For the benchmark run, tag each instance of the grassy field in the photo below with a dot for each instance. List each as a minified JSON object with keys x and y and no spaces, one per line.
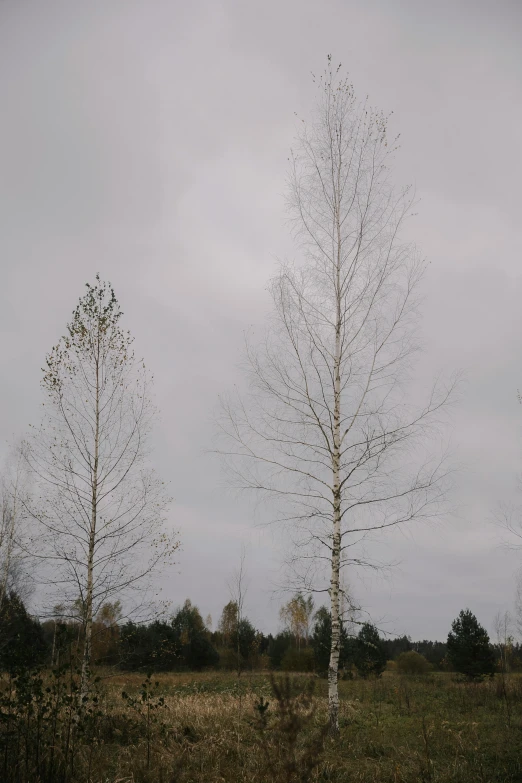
{"x":200,"y":727}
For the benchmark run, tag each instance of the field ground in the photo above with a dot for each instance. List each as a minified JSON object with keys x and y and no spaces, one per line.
{"x":202,"y":728}
{"x":397,"y":729}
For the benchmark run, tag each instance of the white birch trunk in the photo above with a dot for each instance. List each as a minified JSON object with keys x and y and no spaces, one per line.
{"x":333,"y":669}
{"x":87,"y":643}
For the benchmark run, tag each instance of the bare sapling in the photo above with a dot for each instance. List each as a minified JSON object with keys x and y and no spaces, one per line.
{"x":100,"y":506}
{"x":14,"y":556}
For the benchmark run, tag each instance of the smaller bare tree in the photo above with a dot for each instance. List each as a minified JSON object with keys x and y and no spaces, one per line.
{"x":57,"y":615}
{"x":100,"y":507}
{"x":238,"y":588}
{"x":508,"y":518}
{"x":504,"y":644}
{"x":14,"y":492}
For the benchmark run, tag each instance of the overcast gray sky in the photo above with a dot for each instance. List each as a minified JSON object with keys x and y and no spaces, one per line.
{"x":148,"y":141}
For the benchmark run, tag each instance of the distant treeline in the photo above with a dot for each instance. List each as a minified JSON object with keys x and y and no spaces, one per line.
{"x":186,"y":642}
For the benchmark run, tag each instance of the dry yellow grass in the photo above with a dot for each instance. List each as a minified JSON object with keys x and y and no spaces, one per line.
{"x":199,"y":728}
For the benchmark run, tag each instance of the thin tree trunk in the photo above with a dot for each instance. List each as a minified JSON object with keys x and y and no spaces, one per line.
{"x":87,"y":644}
{"x":54,"y":645}
{"x":333,"y":668}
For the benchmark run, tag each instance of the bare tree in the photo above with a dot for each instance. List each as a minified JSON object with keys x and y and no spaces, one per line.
{"x":100,"y":506}
{"x":508,"y":517}
{"x":232,"y":621}
{"x":57,"y":614}
{"x":517,"y":620}
{"x":326,"y":427}
{"x":14,"y":492}
{"x":503,"y":625}
{"x":238,"y":589}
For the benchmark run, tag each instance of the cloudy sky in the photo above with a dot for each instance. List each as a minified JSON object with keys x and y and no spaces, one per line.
{"x":148,"y":141}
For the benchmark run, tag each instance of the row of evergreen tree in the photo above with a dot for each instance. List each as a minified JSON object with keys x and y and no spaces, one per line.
{"x":185,"y":642}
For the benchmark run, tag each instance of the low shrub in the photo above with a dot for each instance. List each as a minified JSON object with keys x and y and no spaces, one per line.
{"x":412,"y":663}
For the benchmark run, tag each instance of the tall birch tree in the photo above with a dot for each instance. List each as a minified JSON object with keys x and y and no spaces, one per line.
{"x":326,"y":428}
{"x":100,"y":506}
